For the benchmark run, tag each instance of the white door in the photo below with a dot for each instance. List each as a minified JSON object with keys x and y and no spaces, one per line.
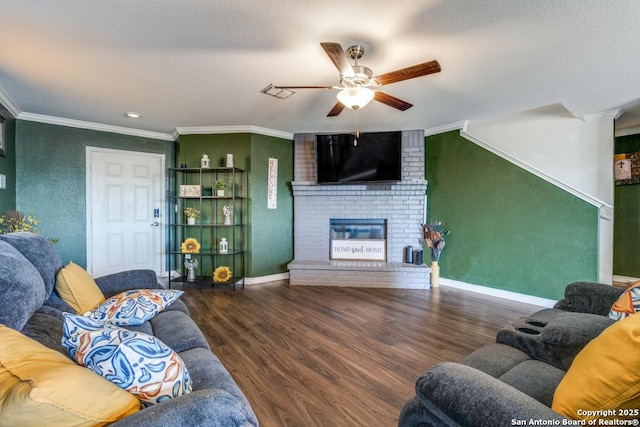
{"x":124,"y":209}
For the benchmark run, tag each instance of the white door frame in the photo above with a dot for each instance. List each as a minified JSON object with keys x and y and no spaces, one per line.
{"x":89,"y":208}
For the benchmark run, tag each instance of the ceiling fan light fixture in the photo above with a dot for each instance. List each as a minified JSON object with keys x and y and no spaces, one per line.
{"x":355,"y":98}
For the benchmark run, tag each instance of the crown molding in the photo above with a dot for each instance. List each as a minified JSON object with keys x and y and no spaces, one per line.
{"x":8,"y":103}
{"x":446,"y":128}
{"x":611,"y":114}
{"x":627,"y":131}
{"x":94,"y":126}
{"x":200,"y":130}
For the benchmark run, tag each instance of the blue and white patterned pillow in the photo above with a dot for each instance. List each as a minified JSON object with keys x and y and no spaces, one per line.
{"x":139,"y":363}
{"x":133,"y":307}
{"x":627,"y":304}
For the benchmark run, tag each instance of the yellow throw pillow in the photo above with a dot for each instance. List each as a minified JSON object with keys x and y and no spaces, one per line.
{"x":77,"y":288}
{"x":604,"y":376}
{"x":41,"y":387}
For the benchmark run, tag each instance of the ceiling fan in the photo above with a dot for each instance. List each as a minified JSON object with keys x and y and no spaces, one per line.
{"x":357,"y":82}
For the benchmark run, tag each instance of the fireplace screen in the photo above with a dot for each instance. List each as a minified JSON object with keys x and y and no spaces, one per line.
{"x":358,"y":239}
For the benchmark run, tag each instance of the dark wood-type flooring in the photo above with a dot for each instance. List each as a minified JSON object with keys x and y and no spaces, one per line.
{"x":330,"y":356}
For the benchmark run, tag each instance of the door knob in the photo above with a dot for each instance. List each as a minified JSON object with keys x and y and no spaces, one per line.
{"x":155,"y":224}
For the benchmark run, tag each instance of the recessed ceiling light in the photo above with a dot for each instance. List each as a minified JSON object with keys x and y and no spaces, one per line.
{"x":132,"y":115}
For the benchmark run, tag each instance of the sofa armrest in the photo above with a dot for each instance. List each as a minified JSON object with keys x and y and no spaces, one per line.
{"x":467,"y":396}
{"x":203,"y":408}
{"x":589,"y":297}
{"x":115,"y":283}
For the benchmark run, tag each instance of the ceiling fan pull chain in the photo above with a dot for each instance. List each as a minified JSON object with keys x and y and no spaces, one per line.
{"x":355,"y":140}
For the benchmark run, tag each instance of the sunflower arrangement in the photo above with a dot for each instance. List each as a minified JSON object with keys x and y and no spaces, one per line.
{"x":222,"y":274}
{"x":190,"y":246}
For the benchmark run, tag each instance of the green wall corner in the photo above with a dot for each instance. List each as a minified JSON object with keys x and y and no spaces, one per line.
{"x":269,"y":231}
{"x":510,"y":230}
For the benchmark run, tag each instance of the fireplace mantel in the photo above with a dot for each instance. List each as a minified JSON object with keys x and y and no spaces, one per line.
{"x":415,"y":188}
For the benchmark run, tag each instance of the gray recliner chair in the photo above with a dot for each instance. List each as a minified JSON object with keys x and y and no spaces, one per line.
{"x":515,"y":378}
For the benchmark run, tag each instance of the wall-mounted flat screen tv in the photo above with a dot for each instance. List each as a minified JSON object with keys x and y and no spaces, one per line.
{"x":377,"y":157}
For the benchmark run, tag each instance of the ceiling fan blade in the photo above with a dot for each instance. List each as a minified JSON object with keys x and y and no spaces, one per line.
{"x":337,"y":109}
{"x":409,"y":73}
{"x":392,"y":101}
{"x":338,"y":57}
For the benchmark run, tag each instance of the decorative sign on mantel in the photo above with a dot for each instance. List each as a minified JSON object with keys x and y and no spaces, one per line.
{"x":359,"y":249}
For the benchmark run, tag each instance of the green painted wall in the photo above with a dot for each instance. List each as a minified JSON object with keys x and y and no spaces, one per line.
{"x":269,"y":231}
{"x":626,"y":221}
{"x":272,"y":232}
{"x":510,"y":229}
{"x":8,"y":163}
{"x":51,"y":177}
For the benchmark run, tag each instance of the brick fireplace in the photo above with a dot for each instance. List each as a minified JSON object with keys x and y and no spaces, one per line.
{"x":400,"y":204}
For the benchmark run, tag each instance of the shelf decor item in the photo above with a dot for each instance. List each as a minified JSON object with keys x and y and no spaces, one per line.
{"x":224,"y":246}
{"x":229,"y":160}
{"x":190,"y":246}
{"x":192,"y":214}
{"x":219,"y":185}
{"x":205,"y":162}
{"x":190,"y":190}
{"x":227,"y":210}
{"x":434,"y":233}
{"x":221,"y":274}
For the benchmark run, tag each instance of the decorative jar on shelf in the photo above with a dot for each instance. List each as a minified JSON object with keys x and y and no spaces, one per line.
{"x":205,"y":162}
{"x":224,"y":245}
{"x":191,"y":220}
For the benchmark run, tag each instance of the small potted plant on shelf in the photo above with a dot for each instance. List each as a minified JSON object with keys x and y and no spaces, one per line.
{"x":191,"y":214}
{"x":219,"y":186}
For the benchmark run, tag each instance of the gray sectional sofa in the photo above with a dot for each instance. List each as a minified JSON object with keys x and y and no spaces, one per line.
{"x":515,"y":378}
{"x":30,"y":305}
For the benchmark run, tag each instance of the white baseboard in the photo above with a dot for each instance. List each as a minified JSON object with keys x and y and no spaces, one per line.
{"x":514,"y":296}
{"x":265,"y":279}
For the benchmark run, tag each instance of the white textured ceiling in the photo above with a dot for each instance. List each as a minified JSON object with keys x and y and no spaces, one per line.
{"x":203,"y":62}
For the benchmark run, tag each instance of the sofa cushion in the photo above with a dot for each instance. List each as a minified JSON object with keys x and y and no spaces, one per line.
{"x":41,"y":387}
{"x":46,"y":328}
{"x":495,"y":359}
{"x":165,"y":325}
{"x":627,"y":304}
{"x":138,"y":363}
{"x":209,"y":373}
{"x":535,"y":379}
{"x":133,"y":307}
{"x":40,"y":252}
{"x":77,"y":288}
{"x":22,"y":289}
{"x":605,"y":375}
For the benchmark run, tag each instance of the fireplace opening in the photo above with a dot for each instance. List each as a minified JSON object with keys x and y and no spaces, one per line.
{"x":358,"y":239}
